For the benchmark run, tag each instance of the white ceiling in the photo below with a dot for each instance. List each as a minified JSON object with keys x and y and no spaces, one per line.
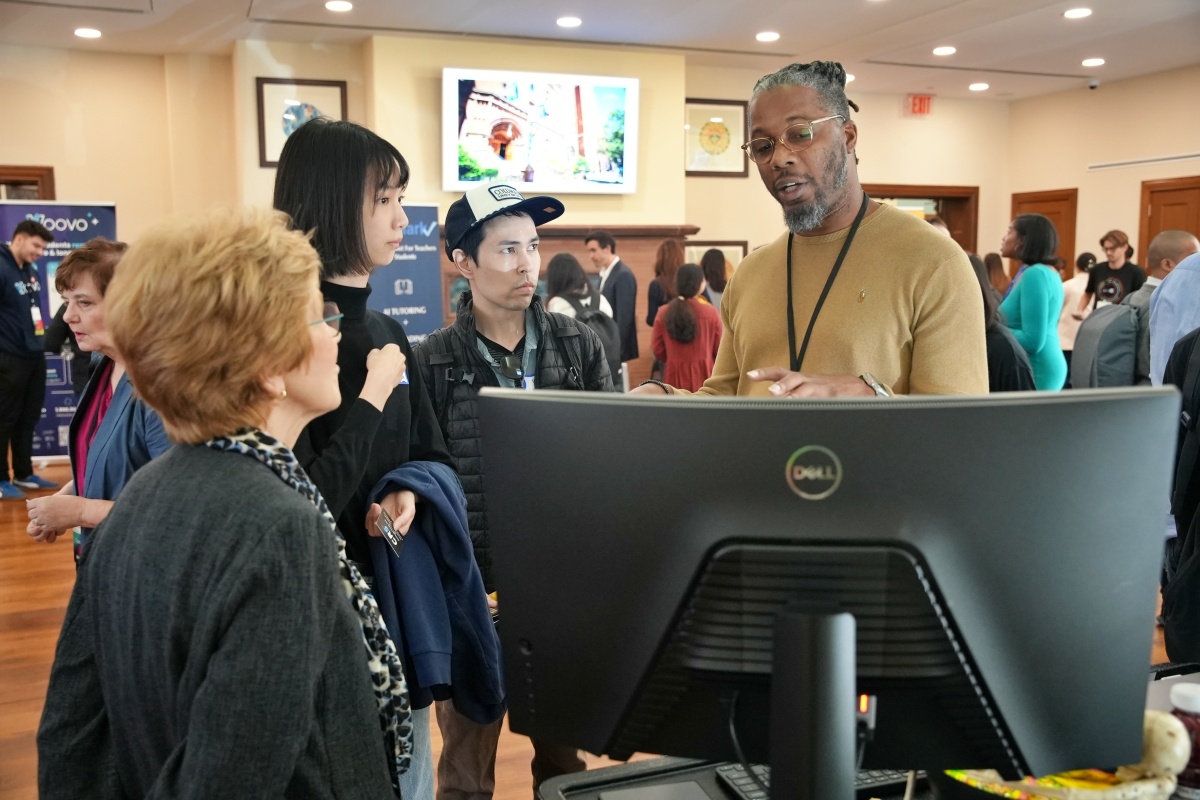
{"x":1021,"y":48}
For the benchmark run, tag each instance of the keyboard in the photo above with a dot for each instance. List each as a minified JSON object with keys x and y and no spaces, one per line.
{"x":869,"y":782}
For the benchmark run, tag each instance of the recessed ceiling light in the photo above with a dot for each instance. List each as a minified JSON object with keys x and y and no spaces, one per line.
{"x":716,"y":119}
{"x":978,"y":87}
{"x":849,"y":77}
{"x":945,"y":50}
{"x":340,"y":6}
{"x":1093,"y":62}
{"x":767,"y":36}
{"x":1077,"y":13}
{"x":569,"y":22}
{"x":87,"y":33}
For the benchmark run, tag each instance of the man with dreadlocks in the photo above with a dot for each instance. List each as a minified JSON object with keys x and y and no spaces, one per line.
{"x":877,"y":301}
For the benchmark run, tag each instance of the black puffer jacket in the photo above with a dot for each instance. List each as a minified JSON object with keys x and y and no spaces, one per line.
{"x":570,"y":356}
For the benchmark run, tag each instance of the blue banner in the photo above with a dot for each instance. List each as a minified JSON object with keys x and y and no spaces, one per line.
{"x":72,"y":225}
{"x":410,"y":288}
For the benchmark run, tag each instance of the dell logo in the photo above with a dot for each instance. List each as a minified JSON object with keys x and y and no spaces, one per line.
{"x":814,"y":472}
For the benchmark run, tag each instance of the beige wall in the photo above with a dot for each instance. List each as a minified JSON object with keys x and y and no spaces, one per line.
{"x":1055,"y":137}
{"x":963,"y":143}
{"x":153,"y":134}
{"x":261,"y":59}
{"x":98,"y":119}
{"x":406,"y":97}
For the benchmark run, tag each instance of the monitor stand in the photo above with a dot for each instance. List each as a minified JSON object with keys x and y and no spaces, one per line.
{"x":813,"y":692}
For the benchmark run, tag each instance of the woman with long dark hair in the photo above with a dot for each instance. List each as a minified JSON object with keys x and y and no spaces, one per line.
{"x":1009,"y":369}
{"x":713,"y":264}
{"x":1035,"y":298}
{"x":687,"y":333}
{"x":566,"y":280}
{"x":667,"y":262}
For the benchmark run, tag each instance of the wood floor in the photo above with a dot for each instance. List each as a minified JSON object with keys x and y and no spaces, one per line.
{"x":35,"y":583}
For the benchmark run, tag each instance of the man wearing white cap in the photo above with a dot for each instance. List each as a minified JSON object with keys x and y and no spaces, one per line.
{"x":502,"y":337}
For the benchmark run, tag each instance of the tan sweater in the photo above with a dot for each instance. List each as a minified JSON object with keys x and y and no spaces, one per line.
{"x":905,"y":306}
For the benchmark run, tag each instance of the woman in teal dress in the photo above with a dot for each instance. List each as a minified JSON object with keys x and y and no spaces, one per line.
{"x":1035,"y":298}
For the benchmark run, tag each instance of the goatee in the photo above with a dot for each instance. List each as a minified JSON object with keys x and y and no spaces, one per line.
{"x":811,"y":215}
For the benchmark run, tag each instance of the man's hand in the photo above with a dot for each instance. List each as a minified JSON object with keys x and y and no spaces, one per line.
{"x":385,"y":369}
{"x":799,"y":384}
{"x":401,"y":507}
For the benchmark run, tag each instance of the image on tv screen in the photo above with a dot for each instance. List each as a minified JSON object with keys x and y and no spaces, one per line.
{"x":551,"y":133}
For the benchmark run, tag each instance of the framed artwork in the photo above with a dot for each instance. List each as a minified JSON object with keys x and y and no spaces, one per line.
{"x":734,"y":252}
{"x":284,"y":104}
{"x":714,"y":132}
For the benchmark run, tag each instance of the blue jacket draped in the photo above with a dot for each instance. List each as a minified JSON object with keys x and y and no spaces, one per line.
{"x":433,"y":601}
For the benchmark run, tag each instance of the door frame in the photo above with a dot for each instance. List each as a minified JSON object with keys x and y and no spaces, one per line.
{"x":912,"y":191}
{"x":1148,"y":188}
{"x":42,"y":176}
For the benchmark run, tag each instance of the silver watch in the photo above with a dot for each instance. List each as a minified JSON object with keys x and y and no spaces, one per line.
{"x":878,"y":388}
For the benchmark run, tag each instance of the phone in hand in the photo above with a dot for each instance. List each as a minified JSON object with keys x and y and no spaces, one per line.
{"x":387,"y":530}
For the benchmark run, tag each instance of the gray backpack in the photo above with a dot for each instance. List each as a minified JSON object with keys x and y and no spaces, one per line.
{"x":1106,"y":348}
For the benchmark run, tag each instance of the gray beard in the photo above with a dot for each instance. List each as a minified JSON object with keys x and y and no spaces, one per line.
{"x":811,"y":216}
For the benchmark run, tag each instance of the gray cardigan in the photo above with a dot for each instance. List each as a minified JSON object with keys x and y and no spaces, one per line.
{"x":208,"y":648}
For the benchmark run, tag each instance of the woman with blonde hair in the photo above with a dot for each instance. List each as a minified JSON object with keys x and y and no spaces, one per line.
{"x":218,"y":641}
{"x":113,"y":433}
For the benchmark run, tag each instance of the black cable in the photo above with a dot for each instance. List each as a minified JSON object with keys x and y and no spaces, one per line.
{"x":737,"y":746}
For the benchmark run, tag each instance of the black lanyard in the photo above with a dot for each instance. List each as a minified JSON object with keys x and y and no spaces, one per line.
{"x":798,"y":357}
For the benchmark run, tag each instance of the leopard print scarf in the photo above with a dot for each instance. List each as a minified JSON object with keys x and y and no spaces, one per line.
{"x":387,"y":672}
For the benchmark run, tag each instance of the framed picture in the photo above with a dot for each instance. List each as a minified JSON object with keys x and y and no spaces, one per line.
{"x":714,"y":132}
{"x":285,"y":104}
{"x":734,"y":252}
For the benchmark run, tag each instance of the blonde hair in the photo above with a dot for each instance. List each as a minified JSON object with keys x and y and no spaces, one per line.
{"x":204,"y":309}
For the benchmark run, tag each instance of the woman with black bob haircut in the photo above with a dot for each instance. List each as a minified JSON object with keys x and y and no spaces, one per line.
{"x":566,"y":280}
{"x":687,"y":333}
{"x":343,"y":184}
{"x":1035,"y":298}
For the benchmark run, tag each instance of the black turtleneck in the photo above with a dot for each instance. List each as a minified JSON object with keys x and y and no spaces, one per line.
{"x":347,"y":451}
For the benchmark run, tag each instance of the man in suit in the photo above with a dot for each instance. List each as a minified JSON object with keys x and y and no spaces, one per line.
{"x":619,"y":285}
{"x":1166,"y":250}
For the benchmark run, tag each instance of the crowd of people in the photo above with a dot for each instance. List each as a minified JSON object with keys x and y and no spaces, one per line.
{"x":284,"y":559}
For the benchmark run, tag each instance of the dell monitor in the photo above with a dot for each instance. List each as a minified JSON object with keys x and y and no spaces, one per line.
{"x":671,"y":573}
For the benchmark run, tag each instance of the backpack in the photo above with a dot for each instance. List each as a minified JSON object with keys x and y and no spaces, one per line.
{"x":604,"y":326}
{"x":1180,"y":611}
{"x":1106,"y":348}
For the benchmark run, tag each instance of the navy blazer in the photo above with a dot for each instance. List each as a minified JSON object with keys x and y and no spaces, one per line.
{"x":129,"y":436}
{"x":621,"y":292}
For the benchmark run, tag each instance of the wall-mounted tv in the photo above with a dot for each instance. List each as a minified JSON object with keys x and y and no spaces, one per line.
{"x":551,"y":133}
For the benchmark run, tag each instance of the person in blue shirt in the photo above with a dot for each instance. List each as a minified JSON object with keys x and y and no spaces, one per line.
{"x":1174,"y":312}
{"x":1035,"y":298}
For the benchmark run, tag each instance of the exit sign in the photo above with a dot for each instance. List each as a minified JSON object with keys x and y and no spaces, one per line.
{"x":919,"y":105}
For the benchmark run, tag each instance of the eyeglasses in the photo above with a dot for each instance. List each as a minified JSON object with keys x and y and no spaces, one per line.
{"x":794,"y":137}
{"x":332,"y":316}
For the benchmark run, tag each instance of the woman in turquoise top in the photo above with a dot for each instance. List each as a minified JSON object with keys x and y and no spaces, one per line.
{"x":1035,"y":298}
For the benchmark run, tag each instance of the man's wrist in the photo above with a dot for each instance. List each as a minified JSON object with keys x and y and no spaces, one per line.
{"x":666,"y":389}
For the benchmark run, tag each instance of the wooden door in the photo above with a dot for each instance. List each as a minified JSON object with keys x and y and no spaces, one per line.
{"x":958,"y":206}
{"x":1059,"y":206}
{"x":34,"y":183}
{"x":1168,"y":205}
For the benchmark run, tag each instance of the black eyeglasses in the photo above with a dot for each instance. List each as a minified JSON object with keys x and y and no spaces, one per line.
{"x":512,"y":368}
{"x":332,"y":316}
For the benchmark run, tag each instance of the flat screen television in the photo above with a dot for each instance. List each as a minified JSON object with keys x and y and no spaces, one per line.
{"x":544,"y":132}
{"x":998,"y":555}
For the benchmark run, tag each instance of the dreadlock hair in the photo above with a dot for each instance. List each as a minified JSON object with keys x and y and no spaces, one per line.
{"x":680,"y":320}
{"x":826,"y":78}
